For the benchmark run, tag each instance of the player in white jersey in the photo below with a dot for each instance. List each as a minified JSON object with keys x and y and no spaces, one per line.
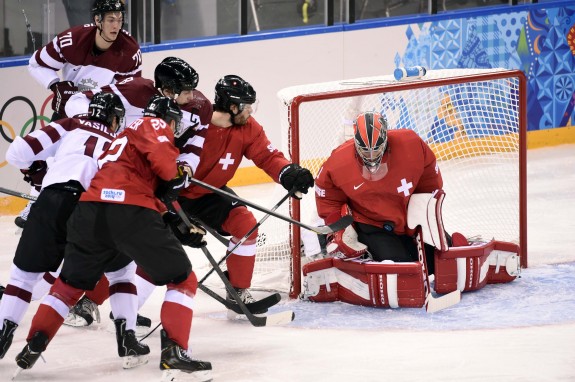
{"x":85,"y":57}
{"x":71,"y":147}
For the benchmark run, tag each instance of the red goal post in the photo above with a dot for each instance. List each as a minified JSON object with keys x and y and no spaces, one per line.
{"x":473,"y":119}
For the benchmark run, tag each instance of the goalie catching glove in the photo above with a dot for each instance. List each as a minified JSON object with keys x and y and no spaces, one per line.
{"x":192,"y":237}
{"x":344,"y":241}
{"x":293,"y":176}
{"x":168,"y":191}
{"x":35,"y":174}
{"x":62,"y":90}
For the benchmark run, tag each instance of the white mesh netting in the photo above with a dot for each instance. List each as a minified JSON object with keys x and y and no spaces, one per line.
{"x":470,"y":118}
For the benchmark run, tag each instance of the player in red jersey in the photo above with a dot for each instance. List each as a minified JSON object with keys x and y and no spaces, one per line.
{"x":389,"y":181}
{"x":87,"y":57}
{"x":71,"y":147}
{"x":233,"y":134}
{"x":118,"y":220}
{"x":173,"y":77}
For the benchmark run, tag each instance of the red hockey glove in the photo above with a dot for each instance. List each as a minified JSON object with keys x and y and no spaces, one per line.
{"x":345,"y":241}
{"x":62,"y":90}
{"x":294,"y":176}
{"x":35,"y":174}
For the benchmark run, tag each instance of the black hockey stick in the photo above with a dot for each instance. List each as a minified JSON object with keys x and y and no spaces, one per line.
{"x":321,"y":230}
{"x":274,"y":319}
{"x":243,"y":239}
{"x":18,"y":194}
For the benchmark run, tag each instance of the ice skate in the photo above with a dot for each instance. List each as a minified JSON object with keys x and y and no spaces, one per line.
{"x":143,"y":325}
{"x":6,"y":336}
{"x":20,"y":220}
{"x":178,"y":366}
{"x":83,"y":313}
{"x":133,"y":352}
{"x":31,"y":352}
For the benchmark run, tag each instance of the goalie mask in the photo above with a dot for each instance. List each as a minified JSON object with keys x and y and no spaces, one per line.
{"x":104,"y":107}
{"x":167,"y":109}
{"x":370,"y":139}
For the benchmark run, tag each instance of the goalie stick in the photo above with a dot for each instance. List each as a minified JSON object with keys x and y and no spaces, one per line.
{"x":280,"y":318}
{"x":321,"y":230}
{"x":433,"y":304}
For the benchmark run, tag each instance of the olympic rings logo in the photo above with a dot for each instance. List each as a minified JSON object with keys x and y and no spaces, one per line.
{"x":6,"y":129}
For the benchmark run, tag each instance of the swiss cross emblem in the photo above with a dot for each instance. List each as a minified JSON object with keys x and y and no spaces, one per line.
{"x":227,"y":161}
{"x":405,"y":187}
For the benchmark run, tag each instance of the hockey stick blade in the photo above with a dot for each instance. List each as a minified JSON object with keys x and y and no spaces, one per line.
{"x":435,"y":304}
{"x":257,"y":306}
{"x":322,"y":230}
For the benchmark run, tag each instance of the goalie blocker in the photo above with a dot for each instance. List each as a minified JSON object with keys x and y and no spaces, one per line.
{"x":464,"y":267}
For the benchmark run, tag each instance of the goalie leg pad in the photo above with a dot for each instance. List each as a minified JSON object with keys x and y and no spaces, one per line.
{"x":470,"y":268}
{"x":385,"y":284}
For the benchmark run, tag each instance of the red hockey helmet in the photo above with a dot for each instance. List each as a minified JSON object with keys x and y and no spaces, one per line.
{"x":370,"y":137}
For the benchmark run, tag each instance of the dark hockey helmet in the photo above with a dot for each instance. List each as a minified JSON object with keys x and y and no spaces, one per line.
{"x":232,"y":89}
{"x":167,"y":109}
{"x":101,"y":7}
{"x":104,"y":107}
{"x":176,"y":75}
{"x":370,"y":137}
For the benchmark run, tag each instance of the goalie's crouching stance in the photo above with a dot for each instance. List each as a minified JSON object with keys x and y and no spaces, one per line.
{"x":397,"y":240}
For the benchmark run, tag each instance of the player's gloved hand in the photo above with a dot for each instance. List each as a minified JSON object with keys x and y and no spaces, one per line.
{"x":62,"y":90}
{"x":346,"y":240}
{"x":293,"y":176}
{"x":35,"y":174}
{"x":168,"y":191}
{"x":192,"y":237}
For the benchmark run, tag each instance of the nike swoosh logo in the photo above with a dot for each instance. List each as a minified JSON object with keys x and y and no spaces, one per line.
{"x":234,"y":203}
{"x":356,"y":187}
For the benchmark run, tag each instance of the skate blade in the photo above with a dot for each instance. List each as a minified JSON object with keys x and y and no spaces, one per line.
{"x":175,"y":375}
{"x":75,"y":321}
{"x":133,"y":361}
{"x":16,"y":373}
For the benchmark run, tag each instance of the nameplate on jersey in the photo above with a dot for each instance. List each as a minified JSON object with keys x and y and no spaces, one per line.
{"x":113,"y":195}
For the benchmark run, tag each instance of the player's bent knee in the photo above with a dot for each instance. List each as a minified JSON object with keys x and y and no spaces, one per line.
{"x":187,"y":286}
{"x":469,"y":268}
{"x":385,"y":284}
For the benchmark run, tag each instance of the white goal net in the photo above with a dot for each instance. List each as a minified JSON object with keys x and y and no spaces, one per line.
{"x":474,"y":121}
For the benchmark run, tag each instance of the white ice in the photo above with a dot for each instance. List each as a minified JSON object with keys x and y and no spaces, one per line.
{"x":522,"y":331}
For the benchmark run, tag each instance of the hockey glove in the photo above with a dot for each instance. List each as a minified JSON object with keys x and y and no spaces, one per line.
{"x":35,"y":174}
{"x":345,"y":241}
{"x":193,"y":237}
{"x":62,"y":90}
{"x":168,"y":191}
{"x":293,"y":176}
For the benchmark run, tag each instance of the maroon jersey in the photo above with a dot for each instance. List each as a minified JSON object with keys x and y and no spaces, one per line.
{"x":224,"y":148}
{"x":133,"y":165}
{"x":72,"y":52}
{"x":411,"y":168}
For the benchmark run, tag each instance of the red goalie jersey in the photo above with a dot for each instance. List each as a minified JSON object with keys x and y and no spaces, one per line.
{"x":411,"y":168}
